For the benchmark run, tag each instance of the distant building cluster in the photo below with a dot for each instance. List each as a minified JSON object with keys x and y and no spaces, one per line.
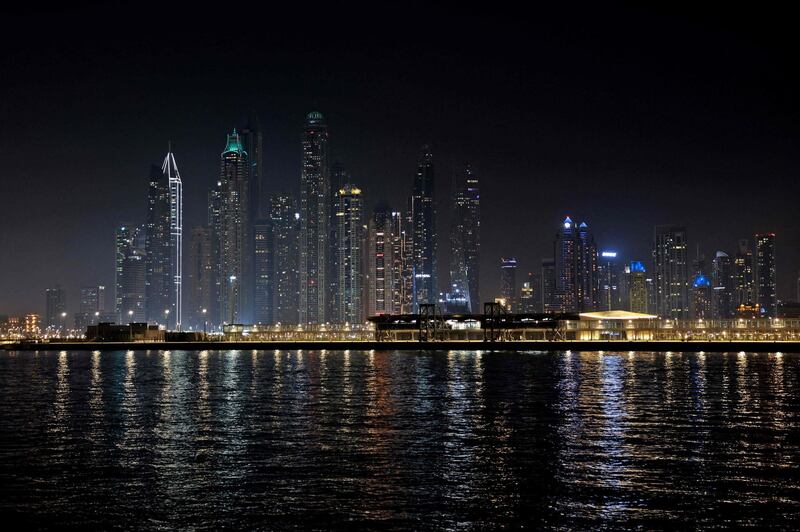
{"x":324,"y":258}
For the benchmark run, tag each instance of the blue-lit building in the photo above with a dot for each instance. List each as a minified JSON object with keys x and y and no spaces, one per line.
{"x":701,"y":297}
{"x":637,"y":287}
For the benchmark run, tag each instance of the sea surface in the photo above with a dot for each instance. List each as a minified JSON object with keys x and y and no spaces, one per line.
{"x":355,"y":440}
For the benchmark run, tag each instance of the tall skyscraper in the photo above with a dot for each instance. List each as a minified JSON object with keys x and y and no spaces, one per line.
{"x":508,"y":282}
{"x":765,"y":274}
{"x":608,"y":286}
{"x":575,"y":268}
{"x":131,"y":274}
{"x":586,"y":269}
{"x":285,"y":222}
{"x":92,"y":308}
{"x":199,"y":279}
{"x":528,"y":295}
{"x":349,"y":237}
{"x":164,"y":244}
{"x":215,"y":235}
{"x":744,"y":275}
{"x":314,"y":220}
{"x":671,"y":275}
{"x":262,"y":234}
{"x":550,"y":302}
{"x":638,"y":288}
{"x":465,"y":239}
{"x":236,"y":283}
{"x":723,"y":303}
{"x":424,"y":239}
{"x":55,"y":307}
{"x":380,"y":260}
{"x":402,"y":268}
{"x":252,"y":140}
{"x":701,"y":291}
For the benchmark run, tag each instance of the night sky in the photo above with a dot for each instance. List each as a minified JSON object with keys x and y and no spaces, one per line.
{"x":623,"y":117}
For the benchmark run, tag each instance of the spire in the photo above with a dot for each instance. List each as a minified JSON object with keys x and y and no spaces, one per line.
{"x":234,"y":144}
{"x":169,"y":168}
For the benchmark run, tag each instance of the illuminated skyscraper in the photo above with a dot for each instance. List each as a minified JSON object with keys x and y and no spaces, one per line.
{"x":262,"y":300}
{"x":131,"y":274}
{"x":465,"y":239}
{"x":608,"y":285}
{"x":92,"y":308}
{"x":566,"y":262}
{"x":638,"y":287}
{"x":55,"y":306}
{"x":528,"y":295}
{"x":284,"y":274}
{"x":349,"y":238}
{"x":236,"y":245}
{"x":550,"y":301}
{"x":314,"y":220}
{"x":380,"y":260}
{"x":701,"y":297}
{"x":744,"y":275}
{"x":402,"y":268}
{"x":765,"y":273}
{"x":424,"y":239}
{"x":215,"y":235}
{"x":586,"y":270}
{"x":724,"y":306}
{"x":199,"y":279}
{"x":164,"y":245}
{"x":671,"y":275}
{"x":508,"y":282}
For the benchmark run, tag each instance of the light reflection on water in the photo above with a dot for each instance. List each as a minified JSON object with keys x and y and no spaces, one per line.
{"x":400,"y":440}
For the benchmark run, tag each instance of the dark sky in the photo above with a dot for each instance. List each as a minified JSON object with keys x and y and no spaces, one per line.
{"x":622,"y":116}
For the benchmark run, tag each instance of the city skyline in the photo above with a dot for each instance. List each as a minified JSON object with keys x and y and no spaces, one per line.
{"x":669,"y":142}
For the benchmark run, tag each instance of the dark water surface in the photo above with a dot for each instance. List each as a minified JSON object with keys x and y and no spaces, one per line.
{"x":262,"y":439}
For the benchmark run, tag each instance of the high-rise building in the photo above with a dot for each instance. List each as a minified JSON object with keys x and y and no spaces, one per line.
{"x":638,"y":287}
{"x":586,"y":270}
{"x":55,"y":307}
{"x":723,"y":302}
{"x":465,"y":239}
{"x":92,"y":308}
{"x":528,"y":295}
{"x":423,"y":228}
{"x":164,"y":244}
{"x":765,"y":274}
{"x":402,"y":283}
{"x":508,"y":282}
{"x":701,"y":295}
{"x":262,"y":235}
{"x":252,"y":140}
{"x":285,"y":225}
{"x":349,"y":237}
{"x":215,"y":235}
{"x":550,"y":302}
{"x":199,"y":279}
{"x":236,"y":283}
{"x":744,"y":275}
{"x":314,"y":220}
{"x":380,"y":261}
{"x":608,"y":285}
{"x":566,"y":261}
{"x":131,"y":274}
{"x":671,"y":275}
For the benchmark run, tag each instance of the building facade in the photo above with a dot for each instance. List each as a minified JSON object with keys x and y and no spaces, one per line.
{"x":766,"y":295}
{"x":423,"y":228}
{"x":671,"y":276}
{"x":350,"y":260}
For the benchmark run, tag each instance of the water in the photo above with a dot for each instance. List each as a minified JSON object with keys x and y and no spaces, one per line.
{"x":456,"y":440}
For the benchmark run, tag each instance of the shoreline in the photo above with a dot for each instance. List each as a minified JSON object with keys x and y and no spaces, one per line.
{"x":530,"y":345}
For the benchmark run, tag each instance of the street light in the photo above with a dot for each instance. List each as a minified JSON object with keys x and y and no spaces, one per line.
{"x":63,"y":323}
{"x":130,"y":326}
{"x":232,"y":298}
{"x":166,"y":319}
{"x":205,"y":323}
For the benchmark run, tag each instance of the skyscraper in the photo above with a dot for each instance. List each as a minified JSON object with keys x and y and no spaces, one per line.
{"x":199,"y":279}
{"x":215,"y":235}
{"x":262,"y":234}
{"x":164,"y":244}
{"x":744,"y":275}
{"x":671,"y":275}
{"x":723,"y":306}
{"x":638,"y":288}
{"x":608,"y":285}
{"x":424,"y":240}
{"x":131,"y":274}
{"x":528,"y":295}
{"x":92,"y":308}
{"x":508,"y":282}
{"x":349,"y":238}
{"x":380,"y":260}
{"x":236,"y":286}
{"x":586,"y":269}
{"x":314,"y":220}
{"x":550,"y":301}
{"x":252,"y":141}
{"x":402,"y":268}
{"x":284,"y":222}
{"x":465,"y":239}
{"x":55,"y":306}
{"x":765,"y":274}
{"x":701,"y":297}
